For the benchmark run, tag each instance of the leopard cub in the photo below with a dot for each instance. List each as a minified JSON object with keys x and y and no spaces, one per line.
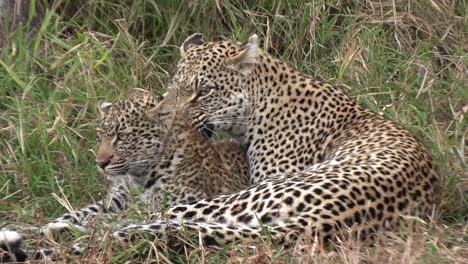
{"x":161,"y":153}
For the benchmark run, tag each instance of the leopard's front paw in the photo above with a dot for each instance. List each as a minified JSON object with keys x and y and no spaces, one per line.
{"x":133,"y":233}
{"x":122,"y":236}
{"x":58,"y":227}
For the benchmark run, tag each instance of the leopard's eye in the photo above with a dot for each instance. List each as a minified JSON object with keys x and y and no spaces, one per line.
{"x":122,"y":136}
{"x":206,"y":90}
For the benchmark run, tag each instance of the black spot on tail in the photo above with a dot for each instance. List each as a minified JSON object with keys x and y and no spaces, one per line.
{"x":12,"y":254}
{"x":209,"y":241}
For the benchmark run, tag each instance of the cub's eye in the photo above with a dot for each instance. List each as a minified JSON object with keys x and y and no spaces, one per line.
{"x":98,"y":135}
{"x":122,"y":136}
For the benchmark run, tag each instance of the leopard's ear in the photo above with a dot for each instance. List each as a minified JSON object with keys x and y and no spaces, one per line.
{"x":248,"y":56}
{"x":192,"y":41}
{"x":164,"y":110}
{"x":104,"y":108}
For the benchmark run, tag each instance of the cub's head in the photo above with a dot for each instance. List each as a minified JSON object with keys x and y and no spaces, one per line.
{"x":217,"y":73}
{"x":129,"y":137}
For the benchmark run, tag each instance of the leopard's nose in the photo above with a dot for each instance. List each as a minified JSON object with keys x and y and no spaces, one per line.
{"x":103,"y":163}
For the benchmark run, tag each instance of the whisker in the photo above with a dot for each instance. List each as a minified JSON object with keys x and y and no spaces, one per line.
{"x":206,"y":136}
{"x":222,"y":122}
{"x":150,"y":160}
{"x":231,"y":116}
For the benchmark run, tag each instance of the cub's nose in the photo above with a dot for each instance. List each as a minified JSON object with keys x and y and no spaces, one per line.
{"x":102,"y":163}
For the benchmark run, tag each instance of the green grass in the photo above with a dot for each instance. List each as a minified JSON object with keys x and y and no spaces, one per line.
{"x":406,"y":61}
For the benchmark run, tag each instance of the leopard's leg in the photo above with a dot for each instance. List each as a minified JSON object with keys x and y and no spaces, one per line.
{"x":242,"y":215}
{"x":326,"y":206}
{"x":149,"y":197}
{"x":212,"y":233}
{"x":115,"y":201}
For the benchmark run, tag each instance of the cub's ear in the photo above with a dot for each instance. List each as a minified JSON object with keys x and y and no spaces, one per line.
{"x":246,"y":59}
{"x":192,"y":41}
{"x":104,"y":108}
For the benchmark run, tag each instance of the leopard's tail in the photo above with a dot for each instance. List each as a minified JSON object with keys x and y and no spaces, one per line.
{"x":11,"y":250}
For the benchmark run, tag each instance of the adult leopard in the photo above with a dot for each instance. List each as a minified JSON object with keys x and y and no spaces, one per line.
{"x":164,"y":155}
{"x":320,"y":162}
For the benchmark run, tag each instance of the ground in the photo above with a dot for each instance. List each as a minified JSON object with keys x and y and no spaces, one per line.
{"x":404,"y":59}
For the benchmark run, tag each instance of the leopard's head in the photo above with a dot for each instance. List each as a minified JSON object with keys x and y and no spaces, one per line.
{"x":129,"y":138}
{"x":216,"y":73}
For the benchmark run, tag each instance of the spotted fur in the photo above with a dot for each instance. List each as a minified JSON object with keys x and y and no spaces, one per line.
{"x":320,"y":162}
